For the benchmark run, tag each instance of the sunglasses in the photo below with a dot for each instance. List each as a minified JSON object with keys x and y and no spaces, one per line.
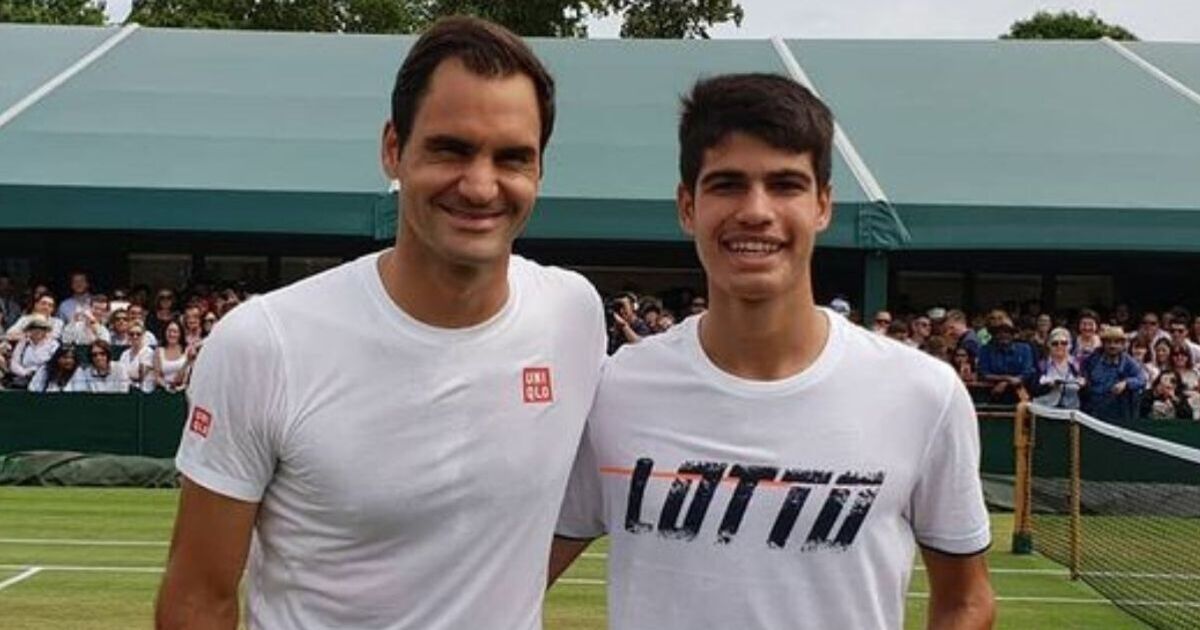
{"x":1058,"y":343}
{"x":883,"y":321}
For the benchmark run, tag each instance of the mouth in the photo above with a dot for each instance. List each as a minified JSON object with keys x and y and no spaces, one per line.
{"x":474,"y":220}
{"x":751,"y":247}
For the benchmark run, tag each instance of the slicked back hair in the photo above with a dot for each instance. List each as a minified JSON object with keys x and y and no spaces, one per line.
{"x":486,"y":49}
{"x":769,"y":107}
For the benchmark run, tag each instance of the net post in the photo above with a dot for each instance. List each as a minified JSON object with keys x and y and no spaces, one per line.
{"x":1022,"y":538}
{"x":1076,"y":490}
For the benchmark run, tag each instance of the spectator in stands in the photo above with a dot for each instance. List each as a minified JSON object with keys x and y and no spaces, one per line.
{"x":938,"y":348}
{"x":138,"y":360}
{"x":1088,"y":339}
{"x":1162,"y":354}
{"x":103,"y":376}
{"x":1059,"y":380}
{"x":937,"y":321}
{"x":193,"y":326}
{"x":841,"y":306}
{"x":1187,"y":380}
{"x":665,"y":321}
{"x":32,"y":352}
{"x":1195,"y":333}
{"x":118,"y":328}
{"x":651,"y":311}
{"x":10,"y":307}
{"x":1043,"y":323}
{"x":1179,"y":329}
{"x":882,"y":320}
{"x":1165,"y":401}
{"x":43,"y":306}
{"x":1122,"y":318}
{"x":1004,"y":363}
{"x":898,"y":330}
{"x":172,"y":361}
{"x":699,"y":305}
{"x":1150,"y":329}
{"x":963,"y":364}
{"x":137,"y":315}
{"x":58,"y":373}
{"x":210,"y":320}
{"x":1114,"y":379}
{"x":80,"y":300}
{"x":164,"y":313}
{"x":1142,"y":354}
{"x":624,"y":326}
{"x":959,"y":334}
{"x":90,"y":324}
{"x":920,"y":328}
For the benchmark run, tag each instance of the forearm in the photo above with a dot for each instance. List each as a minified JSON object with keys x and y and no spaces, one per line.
{"x":183,"y":606}
{"x":563,"y":552}
{"x":974,"y":613}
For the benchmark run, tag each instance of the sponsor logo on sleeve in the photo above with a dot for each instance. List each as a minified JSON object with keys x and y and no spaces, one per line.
{"x":201,"y":421}
{"x":535,"y":385}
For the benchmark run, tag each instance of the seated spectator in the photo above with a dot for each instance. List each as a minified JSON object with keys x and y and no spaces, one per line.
{"x":57,"y":374}
{"x":31,"y":353}
{"x":103,"y":376}
{"x":882,"y":320}
{"x":1179,"y":335}
{"x":920,"y":328}
{"x":666,"y":320}
{"x":624,"y":324}
{"x":1114,"y":379}
{"x":43,"y":306}
{"x":1165,"y":401}
{"x":138,"y":360}
{"x":1122,"y":318}
{"x":118,"y":328}
{"x":164,"y":313}
{"x":841,"y":306}
{"x":651,"y":311}
{"x":1162,"y":354}
{"x":90,"y":324}
{"x":1150,"y":330}
{"x":1041,"y":333}
{"x":172,"y":361}
{"x":1004,"y":363}
{"x":80,"y":300}
{"x":963,"y":365}
{"x":1059,"y":381}
{"x":1088,"y":339}
{"x":1141,"y":354}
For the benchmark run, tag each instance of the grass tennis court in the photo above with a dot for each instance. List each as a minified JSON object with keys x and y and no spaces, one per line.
{"x":91,"y":558}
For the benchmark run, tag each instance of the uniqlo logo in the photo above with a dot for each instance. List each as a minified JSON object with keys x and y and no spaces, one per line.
{"x":201,"y":421}
{"x":535,"y":385}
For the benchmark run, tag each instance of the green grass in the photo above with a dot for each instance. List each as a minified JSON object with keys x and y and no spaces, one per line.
{"x":106,"y":600}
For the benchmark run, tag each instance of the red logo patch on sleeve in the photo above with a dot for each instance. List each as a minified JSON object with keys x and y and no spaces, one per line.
{"x":201,"y":421}
{"x":535,"y":385}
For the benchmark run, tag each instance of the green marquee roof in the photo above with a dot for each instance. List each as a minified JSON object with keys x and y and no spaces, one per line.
{"x":972,"y":144}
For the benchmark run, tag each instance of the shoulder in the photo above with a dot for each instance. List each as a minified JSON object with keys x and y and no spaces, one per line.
{"x":670,"y":351}
{"x":546,"y":279}
{"x":865,"y":352}
{"x":248,"y":329}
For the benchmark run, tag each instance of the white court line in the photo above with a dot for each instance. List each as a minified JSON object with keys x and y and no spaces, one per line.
{"x":82,"y":542}
{"x":21,"y":577}
{"x":64,"y":567}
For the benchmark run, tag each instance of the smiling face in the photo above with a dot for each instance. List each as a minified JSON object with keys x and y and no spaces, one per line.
{"x":470,"y":170}
{"x":755,"y":214}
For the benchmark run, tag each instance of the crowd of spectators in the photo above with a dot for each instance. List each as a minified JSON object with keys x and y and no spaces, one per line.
{"x":128,"y":340}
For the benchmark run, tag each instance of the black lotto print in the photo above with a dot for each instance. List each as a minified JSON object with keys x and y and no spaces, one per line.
{"x":851,"y":493}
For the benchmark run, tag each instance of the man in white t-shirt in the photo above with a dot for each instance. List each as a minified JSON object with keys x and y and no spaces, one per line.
{"x":768,"y":464}
{"x":397,"y":432}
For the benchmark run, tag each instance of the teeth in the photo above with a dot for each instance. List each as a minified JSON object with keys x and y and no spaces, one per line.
{"x":753,"y":247}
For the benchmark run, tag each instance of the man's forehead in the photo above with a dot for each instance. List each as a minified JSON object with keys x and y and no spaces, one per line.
{"x":459,"y":101}
{"x":745,"y":153}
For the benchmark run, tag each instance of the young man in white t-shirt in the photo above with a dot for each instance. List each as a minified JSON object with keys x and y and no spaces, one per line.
{"x":397,"y":432}
{"x":767,"y":464}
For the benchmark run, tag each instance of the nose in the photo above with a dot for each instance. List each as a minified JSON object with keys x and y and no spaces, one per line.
{"x":756,"y":206}
{"x":478,"y":185}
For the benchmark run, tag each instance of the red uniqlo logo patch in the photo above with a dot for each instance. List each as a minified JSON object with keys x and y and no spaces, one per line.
{"x":535,"y":384}
{"x":201,"y":421}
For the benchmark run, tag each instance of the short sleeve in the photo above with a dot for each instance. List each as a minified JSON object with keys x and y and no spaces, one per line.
{"x":582,"y":512}
{"x":949,"y":514}
{"x":236,"y":407}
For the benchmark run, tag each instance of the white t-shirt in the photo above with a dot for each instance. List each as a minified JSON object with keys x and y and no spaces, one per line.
{"x":409,"y":476}
{"x":786,"y":504}
{"x":87,"y":380}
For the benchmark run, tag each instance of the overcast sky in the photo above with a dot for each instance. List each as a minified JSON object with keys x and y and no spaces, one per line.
{"x":1157,"y":20}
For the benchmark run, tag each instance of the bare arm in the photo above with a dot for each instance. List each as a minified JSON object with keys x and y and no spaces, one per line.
{"x":208,"y":553}
{"x":960,"y":594}
{"x":563,"y":552}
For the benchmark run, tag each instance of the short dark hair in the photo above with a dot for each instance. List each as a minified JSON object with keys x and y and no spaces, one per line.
{"x":770,"y":107}
{"x":485,"y":48}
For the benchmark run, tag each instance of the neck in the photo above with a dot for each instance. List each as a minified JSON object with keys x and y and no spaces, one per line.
{"x":763,"y":340}
{"x":442,"y":294}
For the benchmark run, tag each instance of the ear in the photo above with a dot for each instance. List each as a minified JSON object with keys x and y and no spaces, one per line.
{"x":389,"y":151}
{"x":685,"y":203}
{"x":824,"y":207}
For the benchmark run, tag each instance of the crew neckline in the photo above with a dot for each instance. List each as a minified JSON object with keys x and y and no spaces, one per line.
{"x":814,"y":373}
{"x":368,"y":268}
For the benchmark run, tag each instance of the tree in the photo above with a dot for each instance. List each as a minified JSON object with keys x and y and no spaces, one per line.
{"x":1066,"y":25}
{"x":676,"y":19}
{"x":52,"y":11}
{"x":530,"y":18}
{"x":346,"y":16}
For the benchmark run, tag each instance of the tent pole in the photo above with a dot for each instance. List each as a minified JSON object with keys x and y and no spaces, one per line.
{"x":875,"y":283}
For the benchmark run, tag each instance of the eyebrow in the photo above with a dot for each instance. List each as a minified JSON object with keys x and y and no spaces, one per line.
{"x":450,"y":143}
{"x":735,"y":174}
